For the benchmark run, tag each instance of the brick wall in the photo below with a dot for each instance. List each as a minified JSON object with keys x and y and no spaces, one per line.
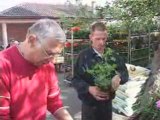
{"x":17,"y":31}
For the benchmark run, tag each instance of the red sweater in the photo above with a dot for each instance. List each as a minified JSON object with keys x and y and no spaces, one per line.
{"x":26,"y":91}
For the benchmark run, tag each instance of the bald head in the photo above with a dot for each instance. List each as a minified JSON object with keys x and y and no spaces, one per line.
{"x":47,"y":28}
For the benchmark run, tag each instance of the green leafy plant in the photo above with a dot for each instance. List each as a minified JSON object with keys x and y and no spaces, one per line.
{"x":151,"y":111}
{"x":83,"y":34}
{"x":104,"y":71}
{"x":147,"y":106}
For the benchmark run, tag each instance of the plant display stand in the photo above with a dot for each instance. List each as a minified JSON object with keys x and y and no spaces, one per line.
{"x":136,"y":49}
{"x":71,"y":54}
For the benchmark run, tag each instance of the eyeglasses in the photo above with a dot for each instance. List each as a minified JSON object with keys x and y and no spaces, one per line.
{"x":47,"y":53}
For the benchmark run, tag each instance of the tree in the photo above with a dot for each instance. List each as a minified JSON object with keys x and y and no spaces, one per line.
{"x":140,"y":15}
{"x":150,"y":94}
{"x":137,"y":14}
{"x":84,"y":16}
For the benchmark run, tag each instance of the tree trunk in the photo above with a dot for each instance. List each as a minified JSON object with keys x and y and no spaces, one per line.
{"x":150,"y":91}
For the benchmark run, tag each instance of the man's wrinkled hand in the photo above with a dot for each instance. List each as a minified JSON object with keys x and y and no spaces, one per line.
{"x":98,"y":94}
{"x":116,"y":82}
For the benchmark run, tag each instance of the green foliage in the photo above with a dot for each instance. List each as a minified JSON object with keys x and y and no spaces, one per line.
{"x":68,"y":23}
{"x":148,"y":111}
{"x":135,"y":13}
{"x":84,"y":11}
{"x":83,"y":34}
{"x":138,"y":15}
{"x":117,"y":31}
{"x":104,"y":12}
{"x":83,"y":23}
{"x":140,"y":53}
{"x":104,"y":71}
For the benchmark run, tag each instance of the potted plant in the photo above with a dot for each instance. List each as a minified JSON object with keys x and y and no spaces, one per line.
{"x":104,"y":71}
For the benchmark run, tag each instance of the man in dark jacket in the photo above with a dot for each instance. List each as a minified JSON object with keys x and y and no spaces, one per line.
{"x":96,"y":104}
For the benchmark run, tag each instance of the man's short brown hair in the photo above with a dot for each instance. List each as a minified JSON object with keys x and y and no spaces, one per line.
{"x":100,"y":26}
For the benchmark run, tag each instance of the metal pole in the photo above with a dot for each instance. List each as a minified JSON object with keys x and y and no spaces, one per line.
{"x":72,"y":54}
{"x":129,"y":46}
{"x":149,"y":46}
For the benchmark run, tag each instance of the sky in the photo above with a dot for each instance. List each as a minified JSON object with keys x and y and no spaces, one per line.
{"x":4,"y":4}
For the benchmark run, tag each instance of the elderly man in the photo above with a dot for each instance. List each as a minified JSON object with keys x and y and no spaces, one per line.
{"x":28,"y":81}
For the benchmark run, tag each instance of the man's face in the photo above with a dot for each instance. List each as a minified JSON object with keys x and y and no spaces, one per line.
{"x":46,"y":51}
{"x":98,"y":39}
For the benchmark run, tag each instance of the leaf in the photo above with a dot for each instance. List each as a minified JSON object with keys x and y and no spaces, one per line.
{"x":104,"y":71}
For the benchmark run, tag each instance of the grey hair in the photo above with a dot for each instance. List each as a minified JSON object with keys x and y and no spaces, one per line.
{"x":47,"y":28}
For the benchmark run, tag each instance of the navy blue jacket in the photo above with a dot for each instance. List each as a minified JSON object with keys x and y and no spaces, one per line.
{"x":82,"y":80}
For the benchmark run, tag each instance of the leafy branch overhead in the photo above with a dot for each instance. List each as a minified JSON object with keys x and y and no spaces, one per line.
{"x":137,"y":14}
